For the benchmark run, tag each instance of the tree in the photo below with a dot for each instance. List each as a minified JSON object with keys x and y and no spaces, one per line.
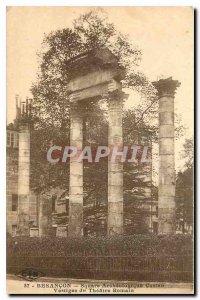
{"x":137,"y":176}
{"x":184,"y":200}
{"x":188,"y":152}
{"x":50,"y":98}
{"x":184,"y":189}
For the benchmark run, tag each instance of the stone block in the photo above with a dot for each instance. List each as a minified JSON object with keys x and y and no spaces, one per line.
{"x":166,"y":104}
{"x":45,"y":215}
{"x":91,"y":79}
{"x":75,"y":166}
{"x":91,"y":92}
{"x":115,"y":179}
{"x":76,"y":134}
{"x":115,"y":193}
{"x":115,"y":218}
{"x":166,"y":118}
{"x":76,"y":194}
{"x":23,"y":201}
{"x":115,"y":166}
{"x":166,"y":201}
{"x":166,"y":161}
{"x":166,"y":131}
{"x":61,"y":231}
{"x":166,"y":220}
{"x":166,"y":146}
{"x":167,"y":176}
{"x":75,"y":219}
{"x":76,"y":180}
{"x":166,"y":190}
{"x":34,"y":232}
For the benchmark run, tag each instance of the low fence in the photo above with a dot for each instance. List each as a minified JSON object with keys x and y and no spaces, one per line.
{"x":115,"y":267}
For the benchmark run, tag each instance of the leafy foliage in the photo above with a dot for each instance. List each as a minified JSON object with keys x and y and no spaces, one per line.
{"x":142,"y":257}
{"x":184,"y":189}
{"x":135,"y":245}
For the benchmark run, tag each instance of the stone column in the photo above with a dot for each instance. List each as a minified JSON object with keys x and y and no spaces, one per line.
{"x":166,"y":190}
{"x":24,"y":177}
{"x":115,"y":168}
{"x":76,"y":173}
{"x":45,"y":215}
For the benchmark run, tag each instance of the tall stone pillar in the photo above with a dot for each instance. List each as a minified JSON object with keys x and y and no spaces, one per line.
{"x":76,"y":173}
{"x":166,"y":191}
{"x":24,"y":170}
{"x":115,"y":167}
{"x":45,"y":215}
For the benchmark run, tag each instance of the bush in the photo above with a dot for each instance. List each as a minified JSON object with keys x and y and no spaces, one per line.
{"x":135,"y":245}
{"x":137,"y":257}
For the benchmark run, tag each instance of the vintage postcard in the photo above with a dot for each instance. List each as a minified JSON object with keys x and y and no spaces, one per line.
{"x":100,"y":116}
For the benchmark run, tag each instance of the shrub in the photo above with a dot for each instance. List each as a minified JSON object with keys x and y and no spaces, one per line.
{"x":135,"y":245}
{"x":137,"y":257}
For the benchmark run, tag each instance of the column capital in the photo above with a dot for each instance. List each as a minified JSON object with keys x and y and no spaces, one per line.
{"x":166,"y":87}
{"x":117,"y":95}
{"x":77,"y":109}
{"x":115,"y":99}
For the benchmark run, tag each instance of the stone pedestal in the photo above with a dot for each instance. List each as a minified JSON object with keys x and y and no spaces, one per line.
{"x":34,"y":232}
{"x":24,"y":177}
{"x":76,"y":173}
{"x":115,"y":167}
{"x":166,"y":191}
{"x":61,"y":231}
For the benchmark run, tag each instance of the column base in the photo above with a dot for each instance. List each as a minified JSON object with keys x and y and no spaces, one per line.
{"x":61,"y":231}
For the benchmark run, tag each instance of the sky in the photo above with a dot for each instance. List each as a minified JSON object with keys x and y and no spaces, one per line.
{"x":164,"y":34}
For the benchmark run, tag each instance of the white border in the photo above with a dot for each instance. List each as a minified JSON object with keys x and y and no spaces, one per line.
{"x":3,"y":5}
{"x":193,"y":3}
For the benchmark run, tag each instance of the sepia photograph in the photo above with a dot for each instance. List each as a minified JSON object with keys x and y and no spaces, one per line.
{"x":99,"y":150}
